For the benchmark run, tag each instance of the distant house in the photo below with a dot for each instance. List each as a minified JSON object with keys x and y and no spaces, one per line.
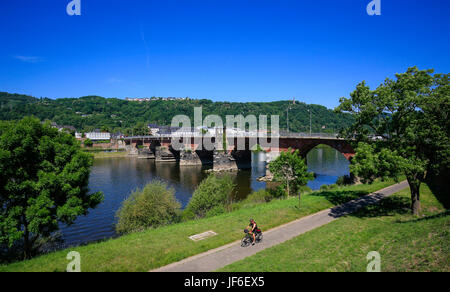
{"x":154,"y":128}
{"x":117,"y":136}
{"x":68,"y":129}
{"x":97,"y":135}
{"x":78,"y":135}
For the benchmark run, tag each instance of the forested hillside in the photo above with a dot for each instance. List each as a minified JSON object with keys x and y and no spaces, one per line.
{"x":87,"y":113}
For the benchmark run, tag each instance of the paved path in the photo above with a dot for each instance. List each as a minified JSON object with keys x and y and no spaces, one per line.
{"x":220,"y":257}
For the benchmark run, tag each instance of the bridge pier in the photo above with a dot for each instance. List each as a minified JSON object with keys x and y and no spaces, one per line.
{"x":230,"y":159}
{"x":145,"y":154}
{"x":163,"y":154}
{"x":189,"y":158}
{"x":224,"y":161}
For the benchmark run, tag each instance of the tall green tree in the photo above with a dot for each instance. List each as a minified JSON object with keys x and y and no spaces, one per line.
{"x":291,"y":170}
{"x":402,"y":127}
{"x":43,"y":182}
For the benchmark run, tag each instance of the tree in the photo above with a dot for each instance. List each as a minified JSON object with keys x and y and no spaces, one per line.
{"x":141,"y":129}
{"x":88,"y":143}
{"x":402,"y":127}
{"x":43,"y":182}
{"x":105,"y":129}
{"x":290,"y":169}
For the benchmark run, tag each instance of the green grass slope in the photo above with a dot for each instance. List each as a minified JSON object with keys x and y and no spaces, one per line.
{"x":405,"y":243}
{"x":158,"y":247}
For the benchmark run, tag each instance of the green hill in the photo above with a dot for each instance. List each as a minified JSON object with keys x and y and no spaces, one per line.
{"x":90,"y":112}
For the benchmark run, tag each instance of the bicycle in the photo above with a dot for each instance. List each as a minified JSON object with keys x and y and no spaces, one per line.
{"x":248,"y":238}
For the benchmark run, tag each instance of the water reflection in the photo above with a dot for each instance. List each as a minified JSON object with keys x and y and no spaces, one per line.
{"x":328,"y":164}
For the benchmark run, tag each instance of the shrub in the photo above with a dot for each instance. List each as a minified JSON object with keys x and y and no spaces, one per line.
{"x":261,"y":196}
{"x":304,"y":189}
{"x":217,"y":210}
{"x":187,"y":215}
{"x":258,"y":149}
{"x":328,"y":187}
{"x":88,"y":143}
{"x":212,"y":192}
{"x":278,"y":192}
{"x":154,"y":205}
{"x":345,"y":180}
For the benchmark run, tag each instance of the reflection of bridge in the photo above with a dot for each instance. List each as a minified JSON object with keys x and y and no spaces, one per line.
{"x":238,"y":148}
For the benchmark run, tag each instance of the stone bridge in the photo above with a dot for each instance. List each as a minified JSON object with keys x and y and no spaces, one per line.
{"x":161,"y":148}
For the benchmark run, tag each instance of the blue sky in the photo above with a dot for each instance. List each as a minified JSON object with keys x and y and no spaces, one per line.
{"x":233,"y":50}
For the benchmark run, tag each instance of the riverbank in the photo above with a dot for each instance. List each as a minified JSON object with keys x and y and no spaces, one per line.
{"x":102,"y":153}
{"x":98,"y":155}
{"x":405,"y":243}
{"x":158,"y":247}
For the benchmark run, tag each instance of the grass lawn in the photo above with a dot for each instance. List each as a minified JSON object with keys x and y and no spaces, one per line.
{"x":109,"y":154}
{"x":405,"y":243}
{"x":154,"y":248}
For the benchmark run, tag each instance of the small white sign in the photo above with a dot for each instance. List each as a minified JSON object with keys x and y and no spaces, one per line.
{"x":203,"y":235}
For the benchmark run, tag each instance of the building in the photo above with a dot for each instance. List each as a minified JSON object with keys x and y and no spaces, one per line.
{"x":96,"y":136}
{"x":154,"y":128}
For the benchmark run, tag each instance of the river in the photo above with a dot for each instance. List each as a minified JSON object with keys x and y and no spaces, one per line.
{"x":118,"y":177}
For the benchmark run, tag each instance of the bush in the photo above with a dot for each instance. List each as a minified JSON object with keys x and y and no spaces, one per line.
{"x":304,"y":189}
{"x":88,"y":143}
{"x":279,"y":192}
{"x":212,"y":192}
{"x":261,"y":196}
{"x":187,"y":215}
{"x":154,"y":205}
{"x":217,"y":210}
{"x":345,"y":180}
{"x":328,"y":187}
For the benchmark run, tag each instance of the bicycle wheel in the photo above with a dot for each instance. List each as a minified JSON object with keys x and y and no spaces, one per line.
{"x":259,"y":238}
{"x":245,"y":241}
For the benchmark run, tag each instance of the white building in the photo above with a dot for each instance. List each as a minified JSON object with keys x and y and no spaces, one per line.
{"x":78,"y":135}
{"x":98,"y":136}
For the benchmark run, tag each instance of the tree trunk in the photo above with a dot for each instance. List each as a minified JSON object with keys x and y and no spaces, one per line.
{"x":415,"y":200}
{"x":414,"y":185}
{"x":299,"y":198}
{"x":287,"y":187}
{"x":27,"y":244}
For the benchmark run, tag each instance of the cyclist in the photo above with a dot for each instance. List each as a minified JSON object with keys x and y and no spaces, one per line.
{"x":253,"y":228}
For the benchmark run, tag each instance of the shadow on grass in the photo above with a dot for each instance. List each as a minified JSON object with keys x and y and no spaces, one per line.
{"x":358,"y":205}
{"x":340,"y":197}
{"x":439,"y":215}
{"x":441,"y":191}
{"x":389,"y":206}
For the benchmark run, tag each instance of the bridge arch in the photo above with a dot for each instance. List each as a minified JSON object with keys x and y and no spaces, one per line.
{"x":304,"y":145}
{"x":341,"y":146}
